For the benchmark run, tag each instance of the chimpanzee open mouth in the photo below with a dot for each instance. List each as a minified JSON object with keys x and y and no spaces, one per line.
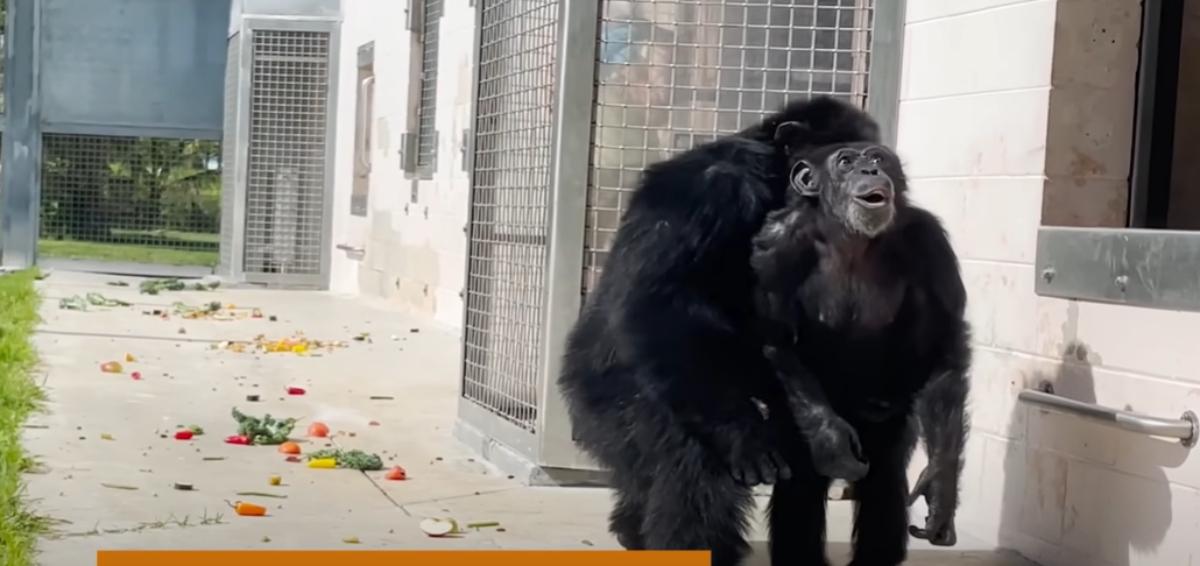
{"x":873,"y":199}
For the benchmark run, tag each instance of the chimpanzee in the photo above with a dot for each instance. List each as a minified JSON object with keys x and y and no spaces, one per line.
{"x":664,"y":376}
{"x":862,"y":306}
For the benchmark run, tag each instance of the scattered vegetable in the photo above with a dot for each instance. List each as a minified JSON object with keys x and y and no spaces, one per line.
{"x":118,"y":486}
{"x":260,"y":494}
{"x":238,"y":439}
{"x":350,"y":540}
{"x":130,"y":358}
{"x":137,"y":376}
{"x":183,"y":435}
{"x":318,"y":430}
{"x":289,"y":448}
{"x":111,"y":367}
{"x":439,"y":527}
{"x":396,"y":474}
{"x":352,"y":459}
{"x":382,"y":398}
{"x":101,"y":301}
{"x":483,"y":525}
{"x":324,"y":463}
{"x":106,"y":436}
{"x":265,"y":430}
{"x":275,"y":480}
{"x":292,"y":390}
{"x":213,"y":458}
{"x":183,"y":486}
{"x":248,"y":509}
{"x":252,"y":398}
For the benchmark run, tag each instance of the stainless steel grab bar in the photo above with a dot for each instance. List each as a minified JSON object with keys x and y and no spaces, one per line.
{"x":1186,"y":428}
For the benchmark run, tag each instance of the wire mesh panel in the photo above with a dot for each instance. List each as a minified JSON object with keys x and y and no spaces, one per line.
{"x":427,"y":111}
{"x":674,"y":73}
{"x":286,"y":164}
{"x":506,"y":276}
{"x":142,"y":200}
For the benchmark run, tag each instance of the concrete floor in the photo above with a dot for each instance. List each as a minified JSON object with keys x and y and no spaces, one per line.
{"x":186,"y":381}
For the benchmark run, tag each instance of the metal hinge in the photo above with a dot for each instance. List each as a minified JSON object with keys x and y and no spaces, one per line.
{"x":408,"y":153}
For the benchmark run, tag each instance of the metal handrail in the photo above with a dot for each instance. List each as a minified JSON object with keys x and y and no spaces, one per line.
{"x":1186,"y":428}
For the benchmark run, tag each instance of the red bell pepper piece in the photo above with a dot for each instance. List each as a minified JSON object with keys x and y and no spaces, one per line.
{"x":238,"y":439}
{"x":183,"y":435}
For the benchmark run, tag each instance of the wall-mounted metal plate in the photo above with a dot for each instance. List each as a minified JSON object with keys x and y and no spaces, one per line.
{"x":1148,"y":268}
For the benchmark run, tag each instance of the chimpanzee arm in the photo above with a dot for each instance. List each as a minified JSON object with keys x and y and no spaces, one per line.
{"x":833,"y":443}
{"x":941,"y":404}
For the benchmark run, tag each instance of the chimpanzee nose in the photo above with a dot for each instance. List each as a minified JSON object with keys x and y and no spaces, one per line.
{"x":869,"y":170}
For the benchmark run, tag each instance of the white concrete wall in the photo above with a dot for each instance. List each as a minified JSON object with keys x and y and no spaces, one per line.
{"x":988,"y":127}
{"x":415,"y":252}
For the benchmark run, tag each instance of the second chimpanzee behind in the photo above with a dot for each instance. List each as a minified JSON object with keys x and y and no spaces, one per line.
{"x":862,"y":302}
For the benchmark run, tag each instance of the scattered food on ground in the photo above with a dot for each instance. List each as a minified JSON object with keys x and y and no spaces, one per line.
{"x":266,"y":539}
{"x":117,"y":284}
{"x":183,"y":435}
{"x":439,"y":527}
{"x":156,"y":286}
{"x":373,"y":423}
{"x":296,"y":344}
{"x":352,"y":459}
{"x":106,"y":436}
{"x":289,"y":448}
{"x":213,"y":458}
{"x":484,"y":525}
{"x":112,"y":367}
{"x":318,"y":430}
{"x":238,"y":439}
{"x":586,"y":542}
{"x":363,"y":337}
{"x":350,"y":540}
{"x":248,"y":509}
{"x":260,"y":494}
{"x":382,"y":398}
{"x":183,"y":486}
{"x":118,"y":486}
{"x":129,"y":358}
{"x":265,"y":430}
{"x":137,"y":376}
{"x":275,"y":480}
{"x":396,"y":474}
{"x":214,"y":310}
{"x":324,"y":463}
{"x":252,"y":398}
{"x":293,"y":390}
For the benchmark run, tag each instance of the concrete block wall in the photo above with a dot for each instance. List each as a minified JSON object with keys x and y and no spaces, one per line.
{"x":415,"y":251}
{"x":1009,"y":108}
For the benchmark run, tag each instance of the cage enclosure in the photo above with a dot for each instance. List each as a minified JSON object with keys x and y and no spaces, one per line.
{"x":280,"y":100}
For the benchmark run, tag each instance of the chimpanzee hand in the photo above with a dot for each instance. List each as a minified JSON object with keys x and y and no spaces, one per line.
{"x":753,"y":451}
{"x":754,"y":461}
{"x":836,"y":452}
{"x":939,"y":524}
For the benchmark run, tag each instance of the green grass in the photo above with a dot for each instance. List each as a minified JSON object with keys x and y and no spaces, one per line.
{"x":71,"y":249}
{"x":19,"y":396}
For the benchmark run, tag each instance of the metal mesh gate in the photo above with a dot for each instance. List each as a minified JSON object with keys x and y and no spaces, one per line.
{"x":510,"y":194}
{"x":128,"y":199}
{"x":674,"y":73}
{"x":286,"y":201}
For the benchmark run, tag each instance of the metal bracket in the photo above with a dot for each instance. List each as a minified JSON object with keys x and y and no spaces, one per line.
{"x":464,"y":150}
{"x":408,"y":153}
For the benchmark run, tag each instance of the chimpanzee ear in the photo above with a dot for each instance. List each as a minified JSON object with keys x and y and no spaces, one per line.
{"x":790,"y":134}
{"x":803,"y":181}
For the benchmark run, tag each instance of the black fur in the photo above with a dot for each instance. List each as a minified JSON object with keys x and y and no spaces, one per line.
{"x":664,"y":376}
{"x":866,"y":332}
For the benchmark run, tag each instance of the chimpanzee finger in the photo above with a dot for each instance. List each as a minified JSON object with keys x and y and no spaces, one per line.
{"x":921,"y":487}
{"x":785,"y":471}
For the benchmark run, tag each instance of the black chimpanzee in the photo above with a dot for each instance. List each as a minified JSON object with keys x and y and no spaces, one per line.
{"x":664,"y":373}
{"x":862,"y":305}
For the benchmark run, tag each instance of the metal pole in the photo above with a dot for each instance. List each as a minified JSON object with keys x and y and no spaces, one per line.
{"x":1186,"y":428}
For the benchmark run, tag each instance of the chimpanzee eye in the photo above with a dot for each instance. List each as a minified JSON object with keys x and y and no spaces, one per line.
{"x":844,"y":162}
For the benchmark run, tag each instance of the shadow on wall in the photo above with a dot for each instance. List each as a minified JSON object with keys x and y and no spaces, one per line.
{"x":1064,"y":499}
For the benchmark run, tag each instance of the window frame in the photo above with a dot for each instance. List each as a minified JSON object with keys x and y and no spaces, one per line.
{"x":1137,"y":265}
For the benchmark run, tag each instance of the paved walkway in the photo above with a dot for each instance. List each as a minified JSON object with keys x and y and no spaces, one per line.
{"x":103,"y":433}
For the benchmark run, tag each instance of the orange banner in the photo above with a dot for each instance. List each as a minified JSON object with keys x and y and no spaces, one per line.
{"x":402,"y":557}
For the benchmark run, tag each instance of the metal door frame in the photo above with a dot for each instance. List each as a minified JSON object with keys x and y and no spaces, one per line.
{"x":248,"y":26}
